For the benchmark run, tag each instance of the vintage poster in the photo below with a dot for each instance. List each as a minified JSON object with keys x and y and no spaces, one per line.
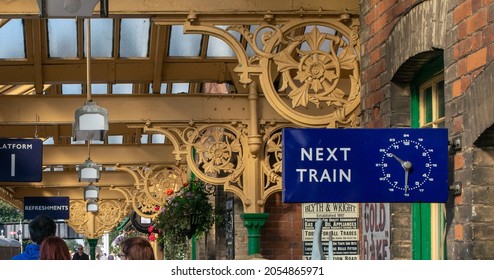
{"x":375,"y":231}
{"x":340,"y":224}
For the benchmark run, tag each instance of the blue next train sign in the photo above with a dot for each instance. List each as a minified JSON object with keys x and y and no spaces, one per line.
{"x":21,"y":160}
{"x":365,"y":165}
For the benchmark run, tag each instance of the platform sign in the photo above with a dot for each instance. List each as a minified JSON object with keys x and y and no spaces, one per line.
{"x":56,"y":207}
{"x":21,"y":160}
{"x":365,"y":165}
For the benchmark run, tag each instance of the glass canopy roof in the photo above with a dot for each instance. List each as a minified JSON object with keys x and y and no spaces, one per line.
{"x":117,"y":40}
{"x":66,"y":40}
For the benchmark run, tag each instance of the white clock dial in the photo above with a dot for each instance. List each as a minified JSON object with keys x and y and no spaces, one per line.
{"x":406,"y":165}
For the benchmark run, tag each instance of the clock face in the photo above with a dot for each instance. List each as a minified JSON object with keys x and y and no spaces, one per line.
{"x":406,"y":164}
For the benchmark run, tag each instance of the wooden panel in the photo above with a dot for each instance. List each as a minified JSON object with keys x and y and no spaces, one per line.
{"x":134,"y":109}
{"x":30,"y":7}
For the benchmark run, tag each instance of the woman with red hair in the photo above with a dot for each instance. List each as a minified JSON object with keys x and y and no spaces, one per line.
{"x":54,"y":248}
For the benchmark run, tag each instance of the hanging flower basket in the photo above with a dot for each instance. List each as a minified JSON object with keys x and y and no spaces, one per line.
{"x":186,"y":213}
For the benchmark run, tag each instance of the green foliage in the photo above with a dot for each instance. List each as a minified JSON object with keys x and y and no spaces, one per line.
{"x":9,"y":214}
{"x":184,"y":214}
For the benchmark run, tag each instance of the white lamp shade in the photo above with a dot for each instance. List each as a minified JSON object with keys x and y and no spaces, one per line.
{"x":67,"y":8}
{"x":92,"y":206}
{"x":91,"y":192}
{"x":89,"y":171}
{"x":89,"y":175}
{"x":90,"y":122}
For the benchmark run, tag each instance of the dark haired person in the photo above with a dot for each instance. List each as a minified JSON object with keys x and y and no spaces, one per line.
{"x":137,"y":248}
{"x":80,"y":255}
{"x":39,"y":228}
{"x":54,"y":248}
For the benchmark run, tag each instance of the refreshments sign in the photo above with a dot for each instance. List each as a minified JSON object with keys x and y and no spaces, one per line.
{"x":55,"y":207}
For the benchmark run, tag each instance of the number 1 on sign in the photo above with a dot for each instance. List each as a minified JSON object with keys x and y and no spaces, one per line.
{"x":12,"y":165}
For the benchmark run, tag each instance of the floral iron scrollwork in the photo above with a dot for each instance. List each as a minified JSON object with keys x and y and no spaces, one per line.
{"x":91,"y":225}
{"x":151,"y":186}
{"x":316,"y":66}
{"x":272,"y":162}
{"x":215,"y":153}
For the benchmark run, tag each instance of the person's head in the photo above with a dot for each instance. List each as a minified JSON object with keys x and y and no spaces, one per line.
{"x":80,"y":249}
{"x":137,"y":248}
{"x":41,"y":227}
{"x":54,"y":248}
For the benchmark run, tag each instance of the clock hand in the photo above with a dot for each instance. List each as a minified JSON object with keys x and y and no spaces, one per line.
{"x":405,"y":164}
{"x":406,"y":178}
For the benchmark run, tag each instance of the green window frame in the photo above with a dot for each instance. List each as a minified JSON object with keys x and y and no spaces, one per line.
{"x":428,"y":111}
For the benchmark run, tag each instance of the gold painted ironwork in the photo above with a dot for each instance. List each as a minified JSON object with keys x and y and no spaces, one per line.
{"x":318,"y":70}
{"x":94,"y":225}
{"x":307,"y":67}
{"x":316,"y":87}
{"x":151,"y":183}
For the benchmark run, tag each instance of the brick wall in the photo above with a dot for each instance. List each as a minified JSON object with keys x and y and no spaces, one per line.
{"x":241,"y":236}
{"x":281,"y":236}
{"x":395,"y":35}
{"x":378,"y":18}
{"x":385,"y":104}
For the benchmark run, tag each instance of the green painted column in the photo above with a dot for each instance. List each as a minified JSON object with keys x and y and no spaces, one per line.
{"x":254,"y":222}
{"x":193,"y":247}
{"x":93,"y":242}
